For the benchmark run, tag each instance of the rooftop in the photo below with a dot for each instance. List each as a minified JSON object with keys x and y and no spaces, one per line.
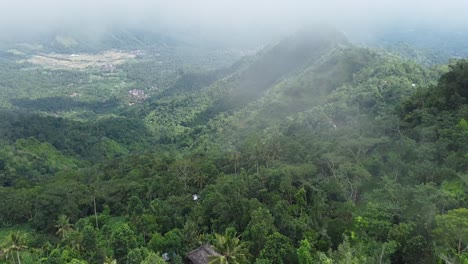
{"x":201,"y":254}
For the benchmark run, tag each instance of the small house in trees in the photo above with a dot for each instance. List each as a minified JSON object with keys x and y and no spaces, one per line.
{"x":201,"y":255}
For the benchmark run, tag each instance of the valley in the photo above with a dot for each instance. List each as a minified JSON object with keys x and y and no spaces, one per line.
{"x":313,"y":149}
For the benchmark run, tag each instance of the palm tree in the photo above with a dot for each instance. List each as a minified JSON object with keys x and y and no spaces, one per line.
{"x":47,"y":247}
{"x":15,"y":244}
{"x":199,"y":179}
{"x":74,"y":240}
{"x":235,"y":156}
{"x":272,"y":151}
{"x":63,"y":226}
{"x":232,"y":250}
{"x":109,"y":260}
{"x":218,"y":260}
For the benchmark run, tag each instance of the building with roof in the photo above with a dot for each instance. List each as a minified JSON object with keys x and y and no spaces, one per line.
{"x":201,"y":255}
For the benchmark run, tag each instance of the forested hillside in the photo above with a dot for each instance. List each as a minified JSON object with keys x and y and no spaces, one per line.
{"x":312,"y":150}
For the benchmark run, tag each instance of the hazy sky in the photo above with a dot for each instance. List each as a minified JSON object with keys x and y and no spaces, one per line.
{"x":222,"y":15}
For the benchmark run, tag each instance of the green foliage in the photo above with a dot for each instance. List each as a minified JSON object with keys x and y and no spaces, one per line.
{"x":172,"y":242}
{"x":452,"y":232}
{"x":231,"y":248}
{"x":63,"y":226}
{"x":135,"y":207}
{"x":153,"y":258}
{"x":136,"y":256}
{"x":89,"y":242}
{"x":304,"y":253}
{"x":278,"y":249}
{"x":12,"y":247}
{"x":261,"y":225}
{"x":123,"y":240}
{"x":315,"y":151}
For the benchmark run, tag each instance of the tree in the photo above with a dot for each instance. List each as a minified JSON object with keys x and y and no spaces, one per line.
{"x":323,"y":258}
{"x":235,"y":156}
{"x":346,"y":254}
{"x":110,"y":261}
{"x":452,"y":232}
{"x":453,"y":85}
{"x":259,"y":228}
{"x":14,"y":245}
{"x":157,"y":242}
{"x":135,"y":206}
{"x":136,"y":255}
{"x":63,"y":226}
{"x":303,"y":253}
{"x":173,"y":241}
{"x":89,"y":242}
{"x":74,"y":239}
{"x":230,"y":247}
{"x":301,"y":200}
{"x":199,"y":179}
{"x":55,"y":257}
{"x":153,"y":258}
{"x":123,"y":240}
{"x":183,"y":171}
{"x":278,"y":249}
{"x":147,"y":225}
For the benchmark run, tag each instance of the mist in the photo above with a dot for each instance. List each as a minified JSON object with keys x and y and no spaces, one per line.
{"x":222,"y":18}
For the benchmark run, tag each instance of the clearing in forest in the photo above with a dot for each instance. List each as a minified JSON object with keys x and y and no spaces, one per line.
{"x":80,"y":61}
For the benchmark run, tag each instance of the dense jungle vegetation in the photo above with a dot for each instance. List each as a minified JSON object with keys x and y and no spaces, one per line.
{"x":312,"y":150}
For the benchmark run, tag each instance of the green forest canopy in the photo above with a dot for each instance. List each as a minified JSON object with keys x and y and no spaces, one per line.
{"x":348,"y":155}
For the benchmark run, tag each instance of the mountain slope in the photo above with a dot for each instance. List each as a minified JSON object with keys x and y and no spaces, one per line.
{"x":298,"y":74}
{"x":252,"y":78}
{"x":77,"y":41}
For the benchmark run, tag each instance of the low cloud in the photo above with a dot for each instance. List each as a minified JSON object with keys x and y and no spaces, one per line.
{"x":221,"y":16}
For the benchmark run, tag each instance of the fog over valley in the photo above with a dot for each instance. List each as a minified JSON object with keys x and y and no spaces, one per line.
{"x":225,"y":19}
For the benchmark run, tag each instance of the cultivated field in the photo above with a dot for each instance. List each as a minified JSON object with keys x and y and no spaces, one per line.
{"x":80,"y":61}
